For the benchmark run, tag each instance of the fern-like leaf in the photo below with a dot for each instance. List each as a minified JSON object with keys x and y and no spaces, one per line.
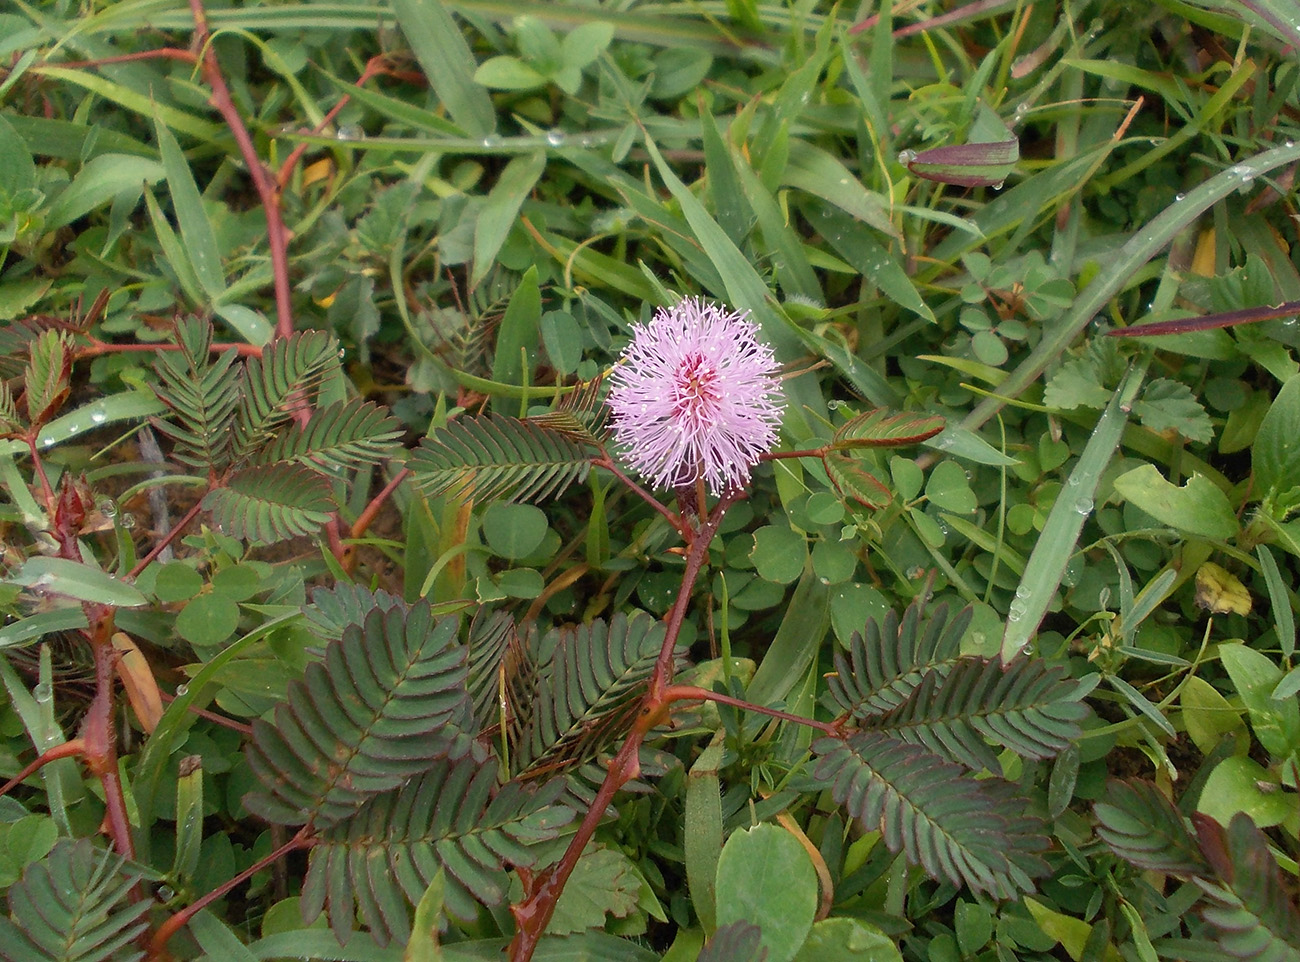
{"x":1029,"y":706}
{"x":491,"y":457}
{"x":271,"y":502}
{"x":10,"y":423}
{"x":587,"y":689}
{"x":202,"y":392}
{"x":345,"y":434}
{"x":288,"y":369}
{"x":959,"y":828}
{"x":333,"y":609}
{"x":47,"y":382}
{"x":385,"y":857}
{"x":885,"y":664}
{"x":72,"y":906}
{"x":1256,"y":918}
{"x":1142,"y":827}
{"x":502,"y":674}
{"x":388,"y":698}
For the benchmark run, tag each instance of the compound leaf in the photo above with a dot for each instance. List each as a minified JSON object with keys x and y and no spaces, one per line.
{"x":271,"y":502}
{"x":345,"y":434}
{"x":72,"y":906}
{"x":387,"y":699}
{"x":1029,"y":706}
{"x":1250,"y":906}
{"x":1142,"y":827}
{"x":493,"y":456}
{"x":202,"y":392}
{"x":884,"y":664}
{"x":882,"y":428}
{"x":960,"y":829}
{"x":274,"y":383}
{"x":587,"y":688}
{"x":452,"y":817}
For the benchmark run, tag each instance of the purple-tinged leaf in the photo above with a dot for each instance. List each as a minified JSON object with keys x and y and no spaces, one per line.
{"x":882,"y":429}
{"x":968,"y":165}
{"x":1185,"y":325}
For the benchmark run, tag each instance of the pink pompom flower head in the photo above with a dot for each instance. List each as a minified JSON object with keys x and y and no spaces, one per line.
{"x":696,"y":396}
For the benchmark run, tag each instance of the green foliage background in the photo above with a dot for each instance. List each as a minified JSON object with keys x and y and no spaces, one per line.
{"x":502,"y":192}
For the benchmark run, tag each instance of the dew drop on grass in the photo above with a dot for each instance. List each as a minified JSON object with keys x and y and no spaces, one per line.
{"x":555,"y":138}
{"x":182,"y":691}
{"x":1083,"y":506}
{"x":98,"y":416}
{"x":43,"y":693}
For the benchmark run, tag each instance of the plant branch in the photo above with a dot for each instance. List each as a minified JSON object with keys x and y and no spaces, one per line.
{"x":168,"y":538}
{"x":96,"y":348}
{"x":606,"y":462}
{"x":371,"y":510}
{"x":534,"y":912}
{"x":692,"y":693}
{"x":267,"y":191}
{"x":68,"y":749}
{"x":375,"y":65}
{"x":158,"y":944}
{"x":97,"y":731}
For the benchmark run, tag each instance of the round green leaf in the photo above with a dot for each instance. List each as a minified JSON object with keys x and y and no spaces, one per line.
{"x":767,"y":879}
{"x":521,"y":583}
{"x":177,"y":581}
{"x":833,"y":562}
{"x":949,"y":489}
{"x":1240,"y":784}
{"x":1198,"y":507}
{"x":779,"y":553}
{"x":847,"y":940}
{"x":824,"y":508}
{"x":514,"y":530}
{"x":563,"y":340}
{"x":852,"y":606}
{"x":907,"y":476}
{"x":208,"y":620}
{"x":238,"y":582}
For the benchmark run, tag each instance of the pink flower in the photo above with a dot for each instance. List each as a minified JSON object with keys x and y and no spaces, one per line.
{"x":696,"y":395}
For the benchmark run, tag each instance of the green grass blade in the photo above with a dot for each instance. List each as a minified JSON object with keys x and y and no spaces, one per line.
{"x":196,"y":230}
{"x":447,"y":62}
{"x":1047,"y":561}
{"x":501,"y":210}
{"x":1140,"y":248}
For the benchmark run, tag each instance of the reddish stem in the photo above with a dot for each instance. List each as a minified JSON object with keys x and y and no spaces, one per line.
{"x":534,"y":912}
{"x":371,"y":511}
{"x":97,"y":348}
{"x":276,"y":236}
{"x":692,"y":693}
{"x":158,"y":944}
{"x":168,"y":538}
{"x":69,"y":748}
{"x":375,"y":65}
{"x":47,"y":492}
{"x":159,"y":53}
{"x":674,"y":519}
{"x":246,"y":730}
{"x":97,"y":729}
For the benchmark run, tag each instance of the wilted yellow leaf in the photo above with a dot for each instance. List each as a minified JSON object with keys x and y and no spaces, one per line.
{"x":1220,"y":591}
